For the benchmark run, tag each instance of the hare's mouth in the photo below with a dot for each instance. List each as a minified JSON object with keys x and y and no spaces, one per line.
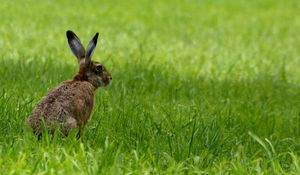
{"x":107,"y":81}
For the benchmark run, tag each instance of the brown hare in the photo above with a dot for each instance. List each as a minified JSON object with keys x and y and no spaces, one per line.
{"x":70,"y":103}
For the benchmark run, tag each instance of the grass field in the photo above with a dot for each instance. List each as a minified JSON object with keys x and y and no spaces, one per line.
{"x":199,"y":86}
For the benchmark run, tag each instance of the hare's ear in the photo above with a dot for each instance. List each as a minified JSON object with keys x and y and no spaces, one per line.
{"x":75,"y":45}
{"x":90,"y":49}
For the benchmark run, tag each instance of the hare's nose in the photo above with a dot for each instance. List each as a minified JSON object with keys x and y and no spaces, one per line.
{"x":110,"y":78}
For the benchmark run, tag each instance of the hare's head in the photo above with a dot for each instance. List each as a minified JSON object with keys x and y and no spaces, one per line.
{"x":89,"y":70}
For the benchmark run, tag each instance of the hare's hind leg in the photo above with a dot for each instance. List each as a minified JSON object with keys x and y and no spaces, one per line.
{"x":68,"y":125}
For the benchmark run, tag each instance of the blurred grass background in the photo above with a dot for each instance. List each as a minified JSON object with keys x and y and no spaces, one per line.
{"x":199,"y":86}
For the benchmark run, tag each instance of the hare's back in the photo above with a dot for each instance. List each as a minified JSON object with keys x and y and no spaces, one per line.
{"x":67,"y":99}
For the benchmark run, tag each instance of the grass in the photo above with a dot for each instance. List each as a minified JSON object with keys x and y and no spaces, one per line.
{"x":199,"y":87}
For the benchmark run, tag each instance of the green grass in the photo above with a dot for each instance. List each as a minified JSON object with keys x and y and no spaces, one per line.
{"x":199,"y":86}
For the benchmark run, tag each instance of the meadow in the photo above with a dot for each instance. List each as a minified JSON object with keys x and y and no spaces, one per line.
{"x":199,"y":86}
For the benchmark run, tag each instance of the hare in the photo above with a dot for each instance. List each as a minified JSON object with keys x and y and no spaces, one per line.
{"x":70,"y":103}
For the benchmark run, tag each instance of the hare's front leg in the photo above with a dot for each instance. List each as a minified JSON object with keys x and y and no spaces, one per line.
{"x":80,"y":131}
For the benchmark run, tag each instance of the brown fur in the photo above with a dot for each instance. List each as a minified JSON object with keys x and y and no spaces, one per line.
{"x":70,"y":103}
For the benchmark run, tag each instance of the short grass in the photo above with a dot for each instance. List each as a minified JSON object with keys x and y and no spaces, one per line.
{"x":199,"y":86}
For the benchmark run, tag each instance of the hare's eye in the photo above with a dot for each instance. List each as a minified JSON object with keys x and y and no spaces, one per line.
{"x":99,"y":68}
